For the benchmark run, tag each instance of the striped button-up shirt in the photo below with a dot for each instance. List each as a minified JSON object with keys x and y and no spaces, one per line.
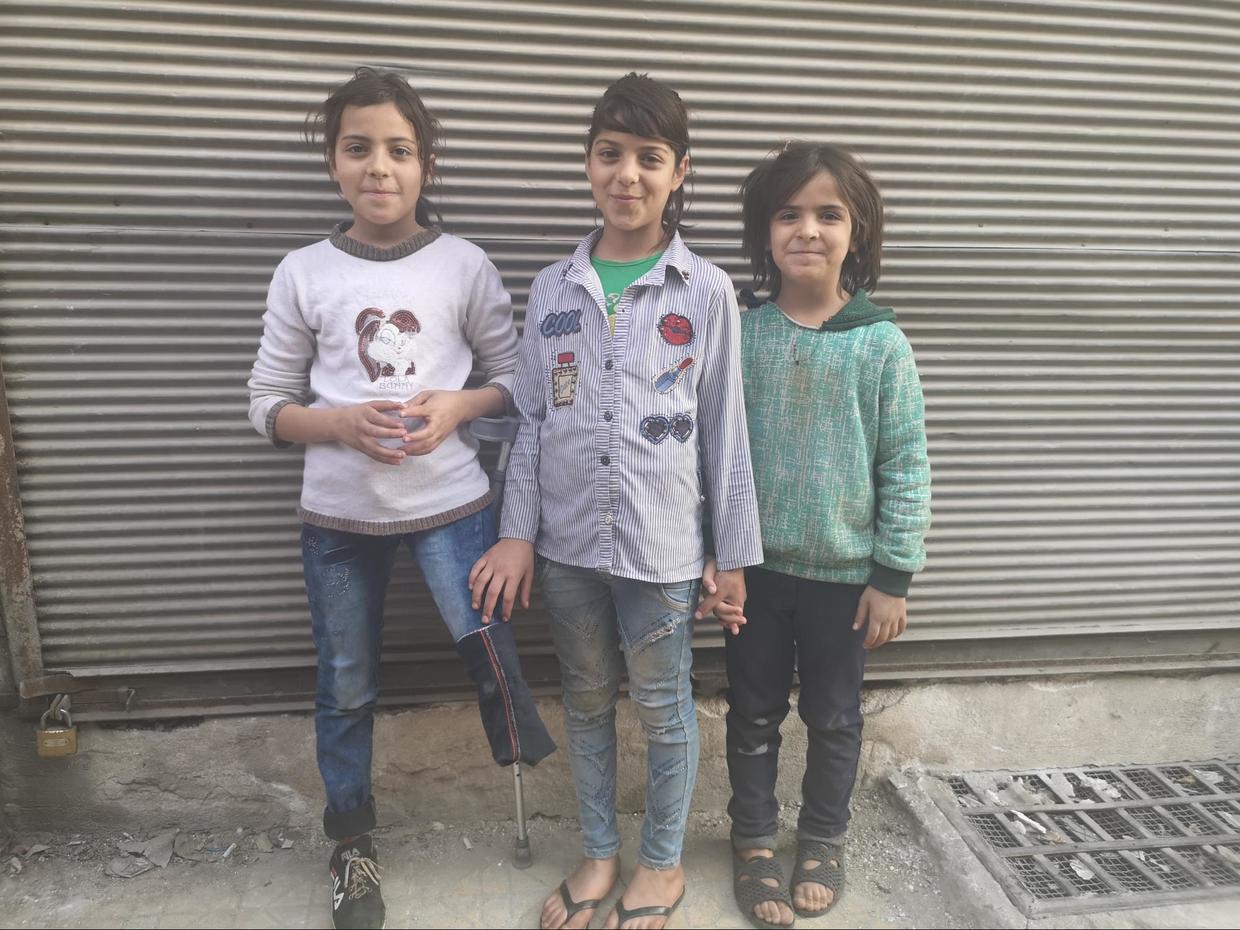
{"x":625,"y":437}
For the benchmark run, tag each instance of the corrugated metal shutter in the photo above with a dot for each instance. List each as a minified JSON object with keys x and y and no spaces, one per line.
{"x":1062,"y":247}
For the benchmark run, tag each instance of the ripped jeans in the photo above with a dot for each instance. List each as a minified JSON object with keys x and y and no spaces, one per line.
{"x":602,"y":624}
{"x":346,"y":581}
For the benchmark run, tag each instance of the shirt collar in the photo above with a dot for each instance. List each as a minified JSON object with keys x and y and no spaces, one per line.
{"x":676,"y":254}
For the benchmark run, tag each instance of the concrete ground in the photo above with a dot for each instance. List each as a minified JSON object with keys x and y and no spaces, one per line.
{"x":250,"y":783}
{"x":904,"y":871}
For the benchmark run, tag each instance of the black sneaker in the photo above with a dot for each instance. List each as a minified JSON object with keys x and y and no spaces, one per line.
{"x":356,"y":901}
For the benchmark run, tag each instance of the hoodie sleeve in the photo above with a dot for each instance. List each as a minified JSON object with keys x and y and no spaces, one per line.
{"x":901,"y":474}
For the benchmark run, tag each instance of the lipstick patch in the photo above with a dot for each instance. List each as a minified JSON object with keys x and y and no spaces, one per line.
{"x":673,"y":375}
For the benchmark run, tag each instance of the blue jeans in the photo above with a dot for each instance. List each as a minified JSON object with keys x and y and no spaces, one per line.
{"x":600,"y":625}
{"x":346,"y":581}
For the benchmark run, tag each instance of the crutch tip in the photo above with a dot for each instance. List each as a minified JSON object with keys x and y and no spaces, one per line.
{"x":521,"y":857}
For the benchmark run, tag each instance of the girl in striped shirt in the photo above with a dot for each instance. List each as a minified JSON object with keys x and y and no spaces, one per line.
{"x":629,"y":389}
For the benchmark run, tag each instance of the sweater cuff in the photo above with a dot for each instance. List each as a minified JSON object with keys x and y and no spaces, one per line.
{"x":890,"y":580}
{"x":510,"y":407}
{"x":271,"y":423}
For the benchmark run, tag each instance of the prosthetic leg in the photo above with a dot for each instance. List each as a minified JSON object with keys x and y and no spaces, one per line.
{"x":512,"y":723}
{"x":509,"y":717}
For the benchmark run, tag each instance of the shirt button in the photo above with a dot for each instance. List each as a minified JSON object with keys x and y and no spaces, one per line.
{"x":607,"y":416}
{"x":605,"y":459}
{"x":607,"y":519}
{"x":607,"y":364}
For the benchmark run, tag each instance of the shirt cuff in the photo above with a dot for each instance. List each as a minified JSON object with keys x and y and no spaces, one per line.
{"x":739,"y":556}
{"x":890,"y":580}
{"x":518,"y":521}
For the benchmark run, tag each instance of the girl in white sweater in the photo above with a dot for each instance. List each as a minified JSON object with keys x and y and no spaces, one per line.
{"x":368,"y":339}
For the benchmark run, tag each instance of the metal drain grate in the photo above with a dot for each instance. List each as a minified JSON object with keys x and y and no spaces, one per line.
{"x":1087,"y":839}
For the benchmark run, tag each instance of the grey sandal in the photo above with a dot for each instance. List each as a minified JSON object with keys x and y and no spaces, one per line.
{"x":829,"y":876}
{"x":750,"y":890}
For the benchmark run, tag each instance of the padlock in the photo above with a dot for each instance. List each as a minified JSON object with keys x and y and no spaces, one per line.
{"x":56,"y":739}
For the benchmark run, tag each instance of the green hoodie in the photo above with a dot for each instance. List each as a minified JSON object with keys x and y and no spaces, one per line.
{"x":837,"y":433}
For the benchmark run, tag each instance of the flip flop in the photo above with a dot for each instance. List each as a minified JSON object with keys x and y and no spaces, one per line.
{"x":829,"y":876}
{"x":654,"y":910}
{"x":576,"y":907}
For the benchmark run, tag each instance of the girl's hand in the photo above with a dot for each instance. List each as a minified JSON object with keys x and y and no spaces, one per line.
{"x":507,"y":570}
{"x":725,"y":596}
{"x":361,"y":426}
{"x":886,"y":614}
{"x":730,"y":616}
{"x":441,"y":412}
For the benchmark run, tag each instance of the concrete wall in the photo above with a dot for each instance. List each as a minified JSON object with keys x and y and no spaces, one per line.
{"x":432,"y":763}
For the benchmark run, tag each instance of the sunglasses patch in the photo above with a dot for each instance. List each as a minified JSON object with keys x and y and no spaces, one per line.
{"x":657,"y":428}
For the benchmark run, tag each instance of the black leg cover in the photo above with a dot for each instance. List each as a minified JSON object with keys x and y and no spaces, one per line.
{"x":509,"y":717}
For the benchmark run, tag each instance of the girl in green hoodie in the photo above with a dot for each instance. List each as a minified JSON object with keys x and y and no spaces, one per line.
{"x":837,"y":433}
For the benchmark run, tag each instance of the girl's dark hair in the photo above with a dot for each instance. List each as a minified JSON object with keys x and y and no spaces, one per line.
{"x":640,"y":105}
{"x":366,"y":88}
{"x":774,"y":182}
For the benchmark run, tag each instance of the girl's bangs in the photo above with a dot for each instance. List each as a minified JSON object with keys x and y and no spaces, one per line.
{"x":625,"y":116}
{"x":786,"y":183}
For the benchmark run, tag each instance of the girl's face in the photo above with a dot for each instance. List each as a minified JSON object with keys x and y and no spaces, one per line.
{"x":811,"y":235}
{"x":376,"y":164}
{"x":631,"y":178}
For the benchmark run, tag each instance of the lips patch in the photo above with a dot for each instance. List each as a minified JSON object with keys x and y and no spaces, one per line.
{"x":675,"y":329}
{"x":657,"y":428}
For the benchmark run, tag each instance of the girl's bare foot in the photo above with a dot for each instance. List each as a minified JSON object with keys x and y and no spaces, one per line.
{"x":649,"y":887}
{"x":592,"y":880}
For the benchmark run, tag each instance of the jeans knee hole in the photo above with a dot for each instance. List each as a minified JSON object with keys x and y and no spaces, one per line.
{"x":666,"y":626}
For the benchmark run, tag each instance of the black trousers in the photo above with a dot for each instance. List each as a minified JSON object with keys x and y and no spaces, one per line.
{"x":794,"y":623}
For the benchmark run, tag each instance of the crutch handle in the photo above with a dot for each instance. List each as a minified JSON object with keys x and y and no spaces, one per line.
{"x":502,"y":430}
{"x":495,"y":429}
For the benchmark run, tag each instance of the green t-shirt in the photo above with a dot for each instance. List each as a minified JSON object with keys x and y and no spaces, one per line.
{"x":617,"y":276}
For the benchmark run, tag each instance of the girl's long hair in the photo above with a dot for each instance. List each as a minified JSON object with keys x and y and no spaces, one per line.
{"x":777,"y":179}
{"x":366,"y":88}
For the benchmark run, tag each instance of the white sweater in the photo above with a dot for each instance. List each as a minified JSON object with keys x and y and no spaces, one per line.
{"x":348,"y":323}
